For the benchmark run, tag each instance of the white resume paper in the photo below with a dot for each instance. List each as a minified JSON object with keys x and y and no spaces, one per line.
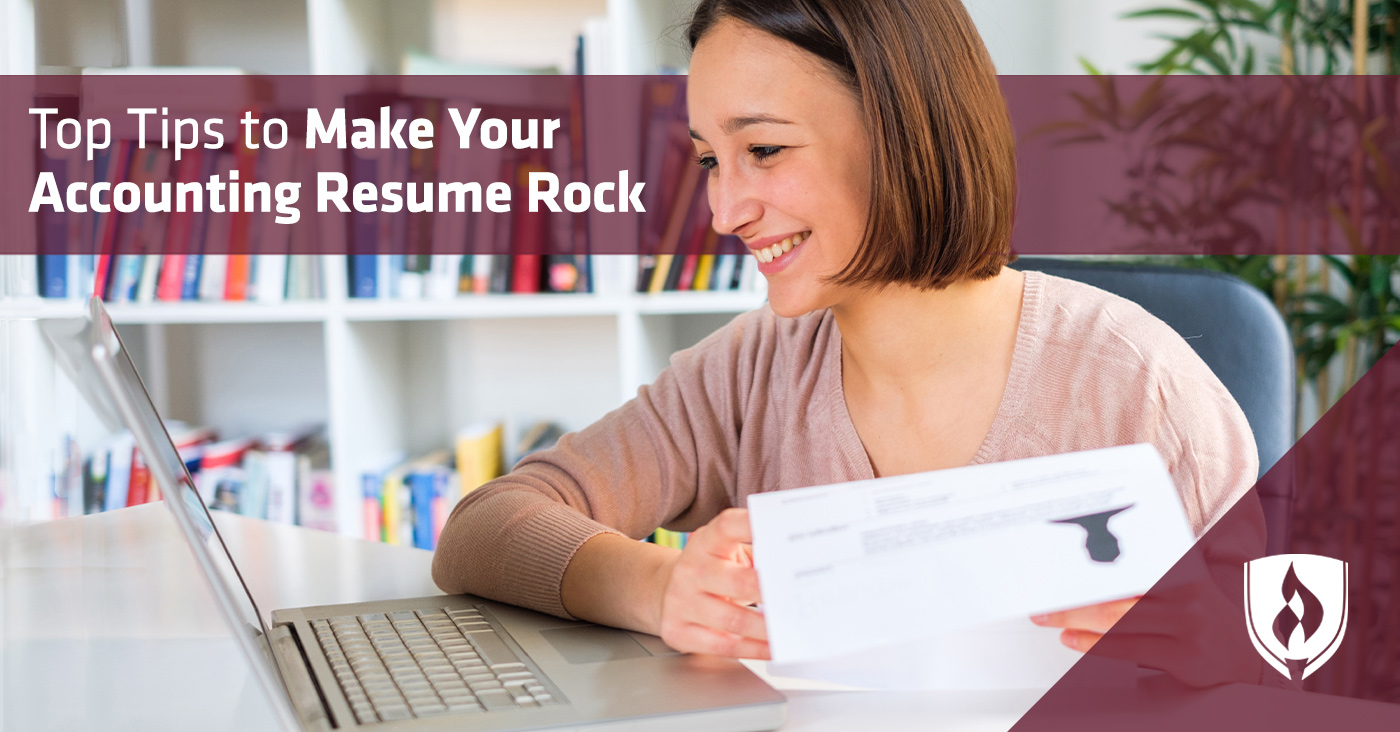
{"x":860,"y":566}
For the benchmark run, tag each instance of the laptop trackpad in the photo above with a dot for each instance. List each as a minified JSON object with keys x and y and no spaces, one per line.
{"x":593,"y":644}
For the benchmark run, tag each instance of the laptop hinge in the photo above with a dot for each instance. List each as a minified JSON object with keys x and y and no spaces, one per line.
{"x":306,"y":697}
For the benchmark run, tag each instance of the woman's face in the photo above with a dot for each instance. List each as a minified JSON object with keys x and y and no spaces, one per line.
{"x":789,"y":161}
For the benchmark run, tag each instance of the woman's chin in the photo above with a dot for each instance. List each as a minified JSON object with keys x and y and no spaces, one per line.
{"x":788,"y":303}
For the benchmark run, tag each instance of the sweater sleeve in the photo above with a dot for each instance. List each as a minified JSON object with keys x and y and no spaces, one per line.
{"x":664,"y":457}
{"x":1207,"y":444}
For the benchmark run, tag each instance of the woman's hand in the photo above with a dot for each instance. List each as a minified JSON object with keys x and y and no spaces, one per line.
{"x":1084,"y":626}
{"x":705,"y":606}
{"x":1189,"y":630}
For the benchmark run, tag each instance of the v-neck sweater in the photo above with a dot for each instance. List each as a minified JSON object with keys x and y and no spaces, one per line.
{"x":759,"y":406}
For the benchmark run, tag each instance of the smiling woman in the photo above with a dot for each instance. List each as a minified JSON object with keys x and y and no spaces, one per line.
{"x":861,"y":150}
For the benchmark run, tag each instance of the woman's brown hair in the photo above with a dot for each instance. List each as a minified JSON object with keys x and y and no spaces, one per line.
{"x":944,"y":165}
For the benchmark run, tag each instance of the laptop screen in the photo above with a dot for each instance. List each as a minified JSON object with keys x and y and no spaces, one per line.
{"x":123,"y":385}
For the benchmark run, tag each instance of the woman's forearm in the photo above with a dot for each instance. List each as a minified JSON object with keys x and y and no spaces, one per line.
{"x":617,"y":581}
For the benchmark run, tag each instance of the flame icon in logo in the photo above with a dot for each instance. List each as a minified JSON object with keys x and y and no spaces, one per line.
{"x":1287,"y":620}
{"x":1295,"y":627}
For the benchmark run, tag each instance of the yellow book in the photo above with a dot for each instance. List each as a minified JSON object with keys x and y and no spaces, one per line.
{"x":394,"y":497}
{"x":479,"y":458}
{"x":702,"y":272}
{"x":658,"y":275}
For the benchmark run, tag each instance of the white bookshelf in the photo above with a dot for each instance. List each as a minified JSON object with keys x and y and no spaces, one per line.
{"x":383,"y":375}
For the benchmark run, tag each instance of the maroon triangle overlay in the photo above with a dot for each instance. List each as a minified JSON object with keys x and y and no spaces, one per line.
{"x":1190,"y":627}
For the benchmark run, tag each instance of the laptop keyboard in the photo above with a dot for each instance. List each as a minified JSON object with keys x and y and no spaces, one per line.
{"x":423,"y":663}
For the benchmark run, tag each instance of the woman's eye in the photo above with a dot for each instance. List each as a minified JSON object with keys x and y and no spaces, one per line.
{"x":707,"y":162}
{"x":763,"y":152}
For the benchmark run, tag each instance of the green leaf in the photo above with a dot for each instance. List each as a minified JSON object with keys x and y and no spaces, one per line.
{"x":1089,"y":67}
{"x":1380,"y":280}
{"x":1163,"y":13}
{"x":1341,"y":267}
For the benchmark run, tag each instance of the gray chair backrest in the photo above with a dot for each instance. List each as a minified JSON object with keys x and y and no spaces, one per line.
{"x":1240,"y":335}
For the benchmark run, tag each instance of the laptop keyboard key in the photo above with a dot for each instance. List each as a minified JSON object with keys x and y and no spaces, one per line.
{"x":496,"y":699}
{"x":390,"y":714}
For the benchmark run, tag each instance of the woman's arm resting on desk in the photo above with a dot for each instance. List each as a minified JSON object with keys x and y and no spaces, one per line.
{"x":697,"y":599}
{"x":666,"y":457}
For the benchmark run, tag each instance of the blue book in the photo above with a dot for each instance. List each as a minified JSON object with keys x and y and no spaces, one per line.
{"x":53,"y":270}
{"x":128,"y":277}
{"x":424,"y":486}
{"x":363,"y":275}
{"x":87,"y":267}
{"x":199,"y":224}
{"x":118,"y":473}
{"x":396,"y":263}
{"x":364,"y":231}
{"x":189,"y":285}
{"x":53,"y":227}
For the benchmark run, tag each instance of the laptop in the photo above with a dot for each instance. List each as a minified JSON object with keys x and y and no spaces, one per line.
{"x":448,"y":662}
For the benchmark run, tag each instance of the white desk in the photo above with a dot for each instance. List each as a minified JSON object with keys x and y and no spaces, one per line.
{"x":109,"y":625}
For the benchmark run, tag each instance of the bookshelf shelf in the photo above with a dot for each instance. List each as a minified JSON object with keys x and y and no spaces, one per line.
{"x":681,"y":303}
{"x":484,"y":306}
{"x":182,"y":313}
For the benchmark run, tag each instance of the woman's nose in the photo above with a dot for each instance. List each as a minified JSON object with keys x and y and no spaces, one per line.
{"x":732,"y":203}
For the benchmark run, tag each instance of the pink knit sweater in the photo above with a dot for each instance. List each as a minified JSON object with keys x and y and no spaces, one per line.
{"x":758,"y":406}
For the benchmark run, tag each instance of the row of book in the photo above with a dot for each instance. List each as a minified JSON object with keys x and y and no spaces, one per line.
{"x":407,"y":501}
{"x":445,"y":277}
{"x":680,"y":249}
{"x":448,"y":276}
{"x":539,"y":251}
{"x":147,"y":278}
{"x":281,"y":477}
{"x":123,"y":271}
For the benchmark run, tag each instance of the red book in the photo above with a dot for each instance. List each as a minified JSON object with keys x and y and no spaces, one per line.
{"x":529,"y":233}
{"x":116,"y":173}
{"x":240,"y":260}
{"x":177,"y":236}
{"x":138,"y":491}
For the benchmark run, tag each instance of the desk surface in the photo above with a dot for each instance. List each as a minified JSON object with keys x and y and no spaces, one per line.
{"x":109,"y":625}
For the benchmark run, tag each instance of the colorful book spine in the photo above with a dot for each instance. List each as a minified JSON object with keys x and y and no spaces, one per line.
{"x":373,"y":490}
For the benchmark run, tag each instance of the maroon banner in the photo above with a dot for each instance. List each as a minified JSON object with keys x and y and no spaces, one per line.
{"x":442,"y":165}
{"x":1222,"y":627}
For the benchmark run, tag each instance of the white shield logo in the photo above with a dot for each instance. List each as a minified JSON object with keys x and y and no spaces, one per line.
{"x":1295,"y":608}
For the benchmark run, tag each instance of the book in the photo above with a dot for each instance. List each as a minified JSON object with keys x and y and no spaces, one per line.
{"x":479,"y":454}
{"x":118,"y":471}
{"x":364,"y":229}
{"x":315,"y":496}
{"x":373,"y":491}
{"x":95,"y":480}
{"x":280,"y":461}
{"x":662,"y":108}
{"x":138,"y":487}
{"x":54,"y":227}
{"x":271,"y":240}
{"x":426,"y":481}
{"x":220,"y":478}
{"x":529,"y":232}
{"x":239,"y":265}
{"x":179,"y":232}
{"x":675,"y":224}
{"x":110,"y":166}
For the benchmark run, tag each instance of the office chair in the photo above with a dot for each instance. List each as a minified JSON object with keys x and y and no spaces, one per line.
{"x":1240,"y":335}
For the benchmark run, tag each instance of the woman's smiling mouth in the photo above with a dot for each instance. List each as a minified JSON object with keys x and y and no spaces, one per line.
{"x":775,"y":255}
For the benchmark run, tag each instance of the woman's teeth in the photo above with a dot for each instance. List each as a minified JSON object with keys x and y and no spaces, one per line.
{"x":768,"y":254}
